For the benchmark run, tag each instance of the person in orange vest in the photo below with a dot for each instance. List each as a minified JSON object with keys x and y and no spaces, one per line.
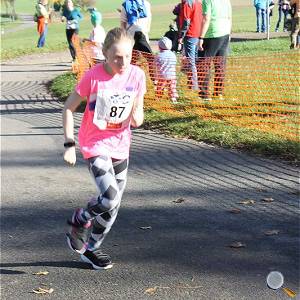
{"x":42,"y":15}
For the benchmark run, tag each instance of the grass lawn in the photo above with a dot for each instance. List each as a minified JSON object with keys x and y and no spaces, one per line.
{"x":24,"y":41}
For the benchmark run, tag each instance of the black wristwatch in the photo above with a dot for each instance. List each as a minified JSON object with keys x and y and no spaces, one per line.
{"x":69,"y":144}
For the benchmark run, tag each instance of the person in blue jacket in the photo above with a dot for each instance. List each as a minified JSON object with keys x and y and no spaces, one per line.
{"x":72,"y":16}
{"x":260,"y":6}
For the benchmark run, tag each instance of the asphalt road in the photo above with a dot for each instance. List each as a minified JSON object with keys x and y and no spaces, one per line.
{"x":185,"y":253}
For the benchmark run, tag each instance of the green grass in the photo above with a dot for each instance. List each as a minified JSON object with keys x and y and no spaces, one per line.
{"x":222,"y":134}
{"x":244,"y":19}
{"x":24,"y":40}
{"x":193,"y":127}
{"x":261,"y":47}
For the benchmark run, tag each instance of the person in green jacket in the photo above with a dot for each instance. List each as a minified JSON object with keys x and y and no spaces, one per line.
{"x":213,"y":45}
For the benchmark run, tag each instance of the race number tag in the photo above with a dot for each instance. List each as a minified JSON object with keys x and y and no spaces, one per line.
{"x":113,"y":109}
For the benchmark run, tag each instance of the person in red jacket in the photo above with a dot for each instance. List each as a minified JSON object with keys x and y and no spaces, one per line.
{"x":190,"y":20}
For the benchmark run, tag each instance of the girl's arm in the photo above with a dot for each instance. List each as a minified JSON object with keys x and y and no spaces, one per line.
{"x":71,"y":104}
{"x":137,"y":117}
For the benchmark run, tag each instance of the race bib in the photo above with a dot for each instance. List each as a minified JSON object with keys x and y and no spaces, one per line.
{"x":113,"y":109}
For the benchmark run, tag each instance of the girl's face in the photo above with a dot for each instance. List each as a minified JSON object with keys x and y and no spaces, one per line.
{"x":118,"y":56}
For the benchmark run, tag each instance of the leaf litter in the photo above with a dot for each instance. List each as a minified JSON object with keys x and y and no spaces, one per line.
{"x":272,"y":232}
{"x":146,"y":227}
{"x":268,"y":199}
{"x":289,"y":292}
{"x":237,"y":245}
{"x":247,"y":202}
{"x":41,"y":273}
{"x":43,"y":291}
{"x":179,"y":200}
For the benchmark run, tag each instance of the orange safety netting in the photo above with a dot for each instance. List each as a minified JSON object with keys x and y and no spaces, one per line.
{"x":257,"y":92}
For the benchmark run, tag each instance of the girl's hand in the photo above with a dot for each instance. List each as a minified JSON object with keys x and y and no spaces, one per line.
{"x":70,"y":156}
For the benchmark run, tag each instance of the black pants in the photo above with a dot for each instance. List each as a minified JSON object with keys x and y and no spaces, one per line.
{"x":69,"y":33}
{"x":215,"y":52}
{"x":141,"y":45}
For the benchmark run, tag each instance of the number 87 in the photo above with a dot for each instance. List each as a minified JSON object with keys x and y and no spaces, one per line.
{"x":117,"y":111}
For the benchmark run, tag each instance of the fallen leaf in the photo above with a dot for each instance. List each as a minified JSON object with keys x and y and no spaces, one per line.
{"x":237,"y":245}
{"x":41,"y":273}
{"x":267,"y":199}
{"x":43,"y":291}
{"x":235,"y":211}
{"x":146,"y":227}
{"x":151,"y":291}
{"x":271,"y":232}
{"x":289,"y":292}
{"x":179,"y":200}
{"x":247,"y":202}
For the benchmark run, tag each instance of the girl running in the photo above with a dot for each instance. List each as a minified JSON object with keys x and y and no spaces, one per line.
{"x":115,"y":91}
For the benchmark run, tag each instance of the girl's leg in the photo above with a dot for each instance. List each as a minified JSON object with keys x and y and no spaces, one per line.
{"x":110,"y":185}
{"x":104,"y":207}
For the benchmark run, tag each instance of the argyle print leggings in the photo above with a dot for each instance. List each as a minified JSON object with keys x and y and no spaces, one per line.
{"x":110,"y":176}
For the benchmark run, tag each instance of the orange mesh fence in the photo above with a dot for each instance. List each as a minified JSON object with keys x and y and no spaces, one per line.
{"x":257,"y":92}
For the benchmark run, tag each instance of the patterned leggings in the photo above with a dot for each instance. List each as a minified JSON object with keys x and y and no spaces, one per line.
{"x":110,"y":176}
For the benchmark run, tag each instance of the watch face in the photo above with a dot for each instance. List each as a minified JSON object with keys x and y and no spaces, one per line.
{"x":69,"y":144}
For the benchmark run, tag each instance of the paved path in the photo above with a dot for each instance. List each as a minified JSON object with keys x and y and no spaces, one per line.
{"x":184,"y":256}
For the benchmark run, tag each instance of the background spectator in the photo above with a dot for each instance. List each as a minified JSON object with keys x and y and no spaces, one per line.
{"x":42,"y":15}
{"x":189,"y":31}
{"x":176,"y":12}
{"x":72,"y":16}
{"x":214,"y":42}
{"x":97,"y":35}
{"x":141,"y":22}
{"x":295,"y":6}
{"x":165,"y":63}
{"x":132,"y":15}
{"x":283,"y":9}
{"x":260,"y":7}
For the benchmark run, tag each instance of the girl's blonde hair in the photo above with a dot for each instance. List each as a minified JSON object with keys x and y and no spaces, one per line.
{"x":114,"y":36}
